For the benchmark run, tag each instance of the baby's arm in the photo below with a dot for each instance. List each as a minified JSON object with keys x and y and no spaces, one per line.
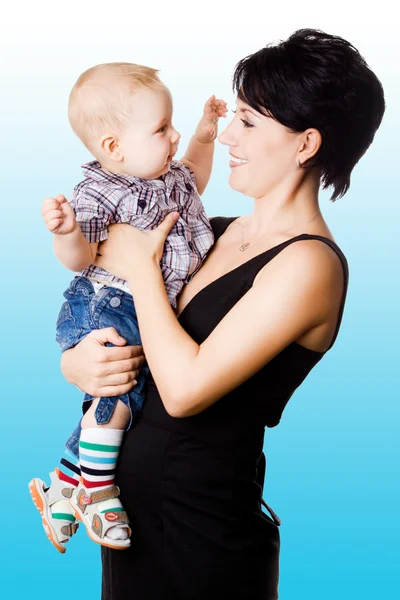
{"x":70,"y":245}
{"x":200,"y":151}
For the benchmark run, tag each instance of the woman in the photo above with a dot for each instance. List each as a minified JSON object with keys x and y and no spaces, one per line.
{"x":261,"y":312}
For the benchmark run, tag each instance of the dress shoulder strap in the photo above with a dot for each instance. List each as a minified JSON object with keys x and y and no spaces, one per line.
{"x":220,"y":224}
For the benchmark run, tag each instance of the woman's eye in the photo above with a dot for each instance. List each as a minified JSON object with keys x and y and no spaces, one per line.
{"x":245,"y":123}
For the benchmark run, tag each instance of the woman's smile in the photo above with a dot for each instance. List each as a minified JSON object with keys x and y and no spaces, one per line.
{"x":236,"y":161}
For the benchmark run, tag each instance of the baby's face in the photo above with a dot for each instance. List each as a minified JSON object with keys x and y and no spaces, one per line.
{"x":149,"y":141}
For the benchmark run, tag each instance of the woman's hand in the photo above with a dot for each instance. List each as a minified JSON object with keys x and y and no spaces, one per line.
{"x":101,"y":370}
{"x":128,"y":251}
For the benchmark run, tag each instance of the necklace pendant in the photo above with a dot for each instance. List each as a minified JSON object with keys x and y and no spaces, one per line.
{"x":243,"y":247}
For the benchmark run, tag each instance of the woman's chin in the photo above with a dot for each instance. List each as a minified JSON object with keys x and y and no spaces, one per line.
{"x":237,"y":185}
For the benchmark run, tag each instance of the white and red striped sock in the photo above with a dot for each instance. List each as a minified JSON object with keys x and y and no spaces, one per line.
{"x":98,"y":455}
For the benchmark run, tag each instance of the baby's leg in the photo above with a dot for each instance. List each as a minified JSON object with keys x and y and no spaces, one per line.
{"x":119,"y":419}
{"x":99,"y":447}
{"x":52,"y":501}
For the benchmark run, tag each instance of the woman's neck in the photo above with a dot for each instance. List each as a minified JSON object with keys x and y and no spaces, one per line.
{"x":280,"y":211}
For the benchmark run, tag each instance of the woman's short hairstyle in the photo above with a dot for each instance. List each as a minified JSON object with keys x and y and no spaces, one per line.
{"x":317,"y":80}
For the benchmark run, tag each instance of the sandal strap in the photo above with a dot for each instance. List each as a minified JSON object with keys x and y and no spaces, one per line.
{"x":84,"y":498}
{"x":67,"y":492}
{"x":69,"y":530}
{"x":99,"y":525}
{"x":116,"y":518}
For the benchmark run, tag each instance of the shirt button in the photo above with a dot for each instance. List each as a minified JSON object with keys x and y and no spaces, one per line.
{"x":142,"y":203}
{"x":114,"y":302}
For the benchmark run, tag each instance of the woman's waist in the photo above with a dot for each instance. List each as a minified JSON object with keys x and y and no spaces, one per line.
{"x":189,"y":467}
{"x":222,"y":425}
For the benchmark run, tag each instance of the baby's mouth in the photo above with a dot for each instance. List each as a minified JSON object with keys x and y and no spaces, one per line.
{"x":171,"y":156}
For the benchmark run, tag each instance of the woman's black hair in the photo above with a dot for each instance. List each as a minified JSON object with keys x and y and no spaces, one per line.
{"x":317,"y":80}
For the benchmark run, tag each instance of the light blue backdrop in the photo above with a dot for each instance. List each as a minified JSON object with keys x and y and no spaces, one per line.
{"x":332,"y":471}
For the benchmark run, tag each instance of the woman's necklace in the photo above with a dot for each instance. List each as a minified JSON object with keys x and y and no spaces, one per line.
{"x":246,"y":245}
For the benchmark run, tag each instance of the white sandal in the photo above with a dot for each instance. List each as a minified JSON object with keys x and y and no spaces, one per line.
{"x":59,"y":529}
{"x":99,"y":512}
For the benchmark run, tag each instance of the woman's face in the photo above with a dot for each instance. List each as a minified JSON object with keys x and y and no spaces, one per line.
{"x":263,"y":152}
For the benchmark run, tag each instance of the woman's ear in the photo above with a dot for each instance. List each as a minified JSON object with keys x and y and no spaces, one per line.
{"x":311,"y":143}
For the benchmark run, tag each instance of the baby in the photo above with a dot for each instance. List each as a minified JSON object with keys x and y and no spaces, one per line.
{"x":122,"y":112}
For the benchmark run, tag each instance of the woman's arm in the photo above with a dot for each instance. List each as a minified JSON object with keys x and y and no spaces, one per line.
{"x":292,"y":295}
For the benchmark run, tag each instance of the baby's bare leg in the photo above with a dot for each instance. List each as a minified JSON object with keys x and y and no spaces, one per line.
{"x":119,"y":419}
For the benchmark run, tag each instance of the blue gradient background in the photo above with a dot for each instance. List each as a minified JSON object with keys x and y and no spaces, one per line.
{"x":332,"y":472}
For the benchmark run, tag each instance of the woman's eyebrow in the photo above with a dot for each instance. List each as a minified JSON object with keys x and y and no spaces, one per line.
{"x":250,"y":111}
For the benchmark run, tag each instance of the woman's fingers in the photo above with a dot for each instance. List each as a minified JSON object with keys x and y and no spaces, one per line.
{"x":108,"y":334}
{"x":113,"y":390}
{"x":120,"y":366}
{"x":118,"y":379}
{"x":112,"y":355}
{"x":165,"y":226}
{"x":114,"y":359}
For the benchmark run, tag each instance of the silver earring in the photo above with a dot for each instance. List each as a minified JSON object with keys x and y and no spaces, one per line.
{"x":298,"y":163}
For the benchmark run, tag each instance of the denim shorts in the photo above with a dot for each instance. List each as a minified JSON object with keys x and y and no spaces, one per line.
{"x":85,"y":310}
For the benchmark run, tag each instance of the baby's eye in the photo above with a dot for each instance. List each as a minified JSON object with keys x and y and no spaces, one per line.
{"x":162,"y":129}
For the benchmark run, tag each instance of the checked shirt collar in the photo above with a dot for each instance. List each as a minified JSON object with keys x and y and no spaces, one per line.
{"x":94,"y":171}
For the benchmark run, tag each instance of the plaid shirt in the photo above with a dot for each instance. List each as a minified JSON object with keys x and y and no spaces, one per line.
{"x":103,"y":198}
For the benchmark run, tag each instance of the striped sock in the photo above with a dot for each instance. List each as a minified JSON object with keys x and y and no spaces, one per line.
{"x":69,"y":471}
{"x":98,"y":455}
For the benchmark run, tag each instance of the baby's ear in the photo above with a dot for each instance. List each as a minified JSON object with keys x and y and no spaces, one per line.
{"x":110,"y":146}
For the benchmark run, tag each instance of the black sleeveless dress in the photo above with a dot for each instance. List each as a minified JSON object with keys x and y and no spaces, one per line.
{"x":193,"y":487}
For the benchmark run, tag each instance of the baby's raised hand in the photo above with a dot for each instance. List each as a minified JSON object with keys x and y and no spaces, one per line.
{"x":207,"y":129}
{"x":58,"y":215}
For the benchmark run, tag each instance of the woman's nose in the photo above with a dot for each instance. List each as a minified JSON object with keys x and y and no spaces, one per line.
{"x":226,"y":137}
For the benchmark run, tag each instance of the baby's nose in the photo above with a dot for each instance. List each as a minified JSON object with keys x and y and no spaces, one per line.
{"x":176,"y":136}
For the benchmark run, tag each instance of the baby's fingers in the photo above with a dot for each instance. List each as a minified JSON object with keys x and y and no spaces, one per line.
{"x":53,"y":225}
{"x":221,"y":107}
{"x":209,"y":106}
{"x":49,"y":204}
{"x":52,"y":214}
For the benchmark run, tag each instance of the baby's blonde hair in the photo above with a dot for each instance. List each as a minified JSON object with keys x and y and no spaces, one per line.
{"x":101,"y":99}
